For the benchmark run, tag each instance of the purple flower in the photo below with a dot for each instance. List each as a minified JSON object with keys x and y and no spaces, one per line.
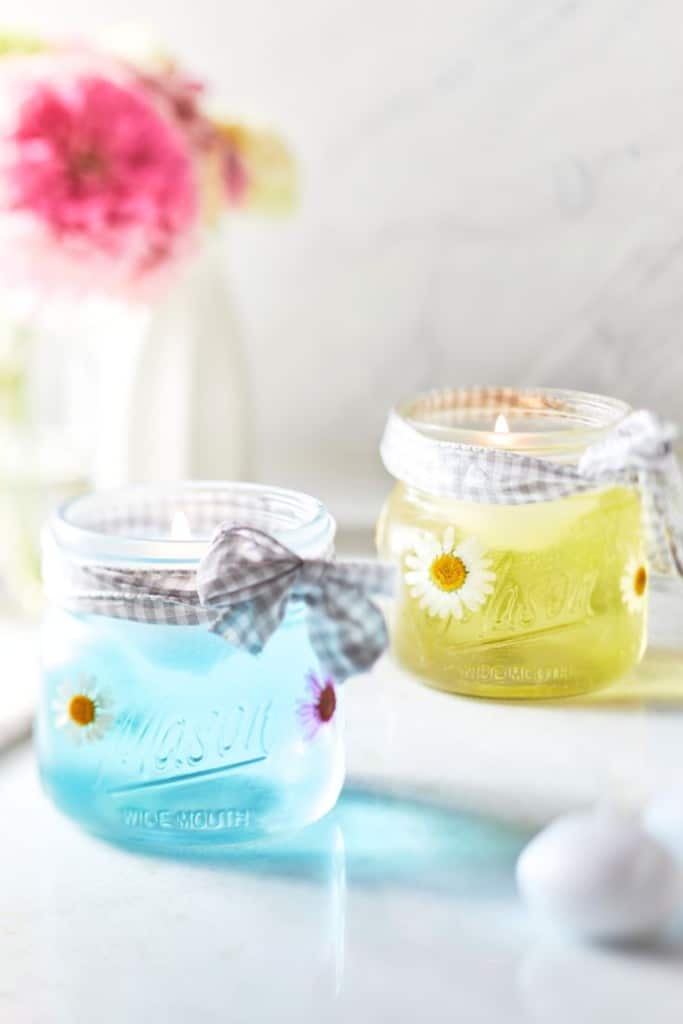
{"x":319,"y":709}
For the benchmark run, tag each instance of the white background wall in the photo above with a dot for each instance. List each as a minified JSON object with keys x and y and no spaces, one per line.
{"x":492,"y":192}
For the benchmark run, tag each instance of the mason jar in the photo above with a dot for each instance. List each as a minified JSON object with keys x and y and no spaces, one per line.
{"x":538,"y":596}
{"x":164,"y":734}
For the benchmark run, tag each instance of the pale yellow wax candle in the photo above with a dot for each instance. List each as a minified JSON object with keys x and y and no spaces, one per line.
{"x":530,"y":600}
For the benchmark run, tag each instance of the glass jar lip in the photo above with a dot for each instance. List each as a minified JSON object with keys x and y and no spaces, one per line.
{"x":298,"y":520}
{"x":584,"y":417}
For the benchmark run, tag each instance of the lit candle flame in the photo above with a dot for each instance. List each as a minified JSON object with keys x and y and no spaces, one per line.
{"x":501,"y":426}
{"x":180,"y":526}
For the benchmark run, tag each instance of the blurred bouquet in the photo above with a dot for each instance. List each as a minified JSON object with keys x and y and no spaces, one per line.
{"x":123,"y":359}
{"x":110,"y":166}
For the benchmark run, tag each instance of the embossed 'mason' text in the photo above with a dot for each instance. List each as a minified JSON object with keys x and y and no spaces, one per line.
{"x":161,"y":745}
{"x":557,"y":597}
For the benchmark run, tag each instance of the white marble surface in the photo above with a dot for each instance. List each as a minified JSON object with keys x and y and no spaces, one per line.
{"x":384,"y":912}
{"x":491,"y":192}
{"x":398,"y":906}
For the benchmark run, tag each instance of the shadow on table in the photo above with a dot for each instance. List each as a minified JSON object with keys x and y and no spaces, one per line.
{"x":387,"y":841}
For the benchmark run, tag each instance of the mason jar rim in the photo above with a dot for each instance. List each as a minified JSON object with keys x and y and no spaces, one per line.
{"x":583,"y":417}
{"x":134,"y":525}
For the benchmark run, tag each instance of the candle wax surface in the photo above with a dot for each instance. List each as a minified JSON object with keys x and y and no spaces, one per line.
{"x":567,"y":608}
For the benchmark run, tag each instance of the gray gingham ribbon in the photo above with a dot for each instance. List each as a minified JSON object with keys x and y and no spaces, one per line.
{"x":241,"y":591}
{"x":638,"y":452}
{"x":247,"y":577}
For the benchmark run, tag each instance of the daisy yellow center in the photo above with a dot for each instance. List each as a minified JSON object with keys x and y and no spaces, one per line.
{"x":82,"y":709}
{"x":640,"y":580}
{"x":448,"y":572}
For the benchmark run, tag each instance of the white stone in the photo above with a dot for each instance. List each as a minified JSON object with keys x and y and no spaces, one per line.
{"x":663,"y":819}
{"x":599,"y":874}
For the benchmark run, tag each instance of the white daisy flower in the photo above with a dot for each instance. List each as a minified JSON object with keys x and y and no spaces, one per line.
{"x":634,"y":584}
{"x":83,"y":710}
{"x":446,"y":579}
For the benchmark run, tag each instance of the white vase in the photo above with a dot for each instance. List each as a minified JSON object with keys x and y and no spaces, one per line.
{"x":172,"y":398}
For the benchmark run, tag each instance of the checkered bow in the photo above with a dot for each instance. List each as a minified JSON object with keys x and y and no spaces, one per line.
{"x":248,"y":578}
{"x":241,"y":588}
{"x":637,"y":452}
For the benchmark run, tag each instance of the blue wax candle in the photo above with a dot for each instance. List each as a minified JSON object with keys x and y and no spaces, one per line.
{"x":165,"y":735}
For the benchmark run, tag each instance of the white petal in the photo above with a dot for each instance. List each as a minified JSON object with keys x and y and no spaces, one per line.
{"x":448,"y":538}
{"x":431,"y":549}
{"x":414,"y":576}
{"x":446,"y":604}
{"x":439,"y":609}
{"x":473,"y":594}
{"x":470,"y":551}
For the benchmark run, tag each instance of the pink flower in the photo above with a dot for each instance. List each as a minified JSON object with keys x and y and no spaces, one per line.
{"x":180,"y":97}
{"x":235,"y":176}
{"x":96,"y":177}
{"x":320,"y":709}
